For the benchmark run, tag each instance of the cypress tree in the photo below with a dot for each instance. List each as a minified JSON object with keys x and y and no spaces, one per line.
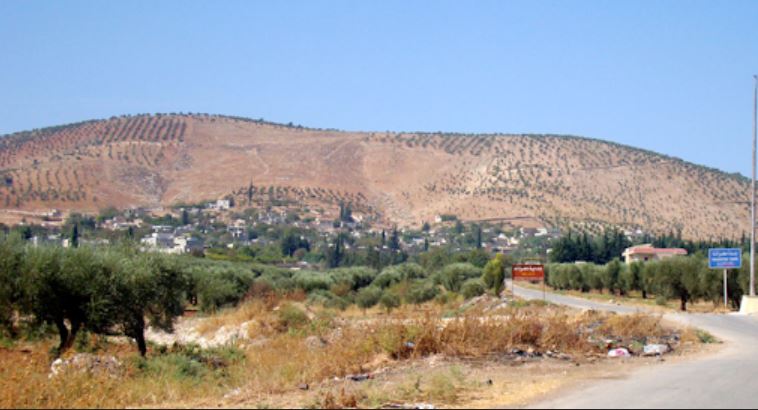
{"x":75,"y":236}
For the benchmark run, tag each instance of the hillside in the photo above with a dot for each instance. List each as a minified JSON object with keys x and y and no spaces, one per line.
{"x":406,"y":178}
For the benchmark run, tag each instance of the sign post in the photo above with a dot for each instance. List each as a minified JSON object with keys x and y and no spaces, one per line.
{"x":725,"y":258}
{"x":726,"y":290}
{"x":528,"y":272}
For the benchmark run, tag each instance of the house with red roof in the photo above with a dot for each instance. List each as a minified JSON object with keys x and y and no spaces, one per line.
{"x":647,"y":252}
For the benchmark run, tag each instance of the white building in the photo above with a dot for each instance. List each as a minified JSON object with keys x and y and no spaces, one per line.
{"x":647,"y":252}
{"x":159,"y":240}
{"x":186,"y":244}
{"x":221,"y":204}
{"x":170,"y":243}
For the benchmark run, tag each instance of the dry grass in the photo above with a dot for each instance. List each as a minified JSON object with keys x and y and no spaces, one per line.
{"x":24,"y":383}
{"x":280,"y":358}
{"x":233,"y":317}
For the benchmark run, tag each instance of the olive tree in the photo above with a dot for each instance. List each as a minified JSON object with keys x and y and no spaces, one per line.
{"x":452,"y":276}
{"x":679,"y":277}
{"x":11,"y":259}
{"x":105,"y":292}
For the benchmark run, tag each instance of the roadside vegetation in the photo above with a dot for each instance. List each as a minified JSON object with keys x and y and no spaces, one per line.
{"x":685,"y":279}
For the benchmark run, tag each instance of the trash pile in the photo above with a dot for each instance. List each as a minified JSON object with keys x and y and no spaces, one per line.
{"x":644,"y":348}
{"x":625,"y":347}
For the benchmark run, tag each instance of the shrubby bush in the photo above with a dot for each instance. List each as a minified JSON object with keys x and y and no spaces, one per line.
{"x":421,"y":291}
{"x":387,"y":278}
{"x":494,"y":273}
{"x":219,"y":284}
{"x":356,"y":277}
{"x":452,"y":276}
{"x":472,"y":288}
{"x":368,"y":297}
{"x":292,"y":317}
{"x":390,"y":300}
{"x":311,"y":280}
{"x":398,"y":273}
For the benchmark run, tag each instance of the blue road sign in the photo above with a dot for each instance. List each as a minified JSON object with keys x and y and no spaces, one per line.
{"x":725,"y":258}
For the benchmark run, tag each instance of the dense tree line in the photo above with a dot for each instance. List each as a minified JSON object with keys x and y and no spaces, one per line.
{"x":601,"y":249}
{"x":686,"y":279}
{"x":582,"y":247}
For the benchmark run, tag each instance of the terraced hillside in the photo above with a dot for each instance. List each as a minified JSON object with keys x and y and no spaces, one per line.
{"x":407,"y":178}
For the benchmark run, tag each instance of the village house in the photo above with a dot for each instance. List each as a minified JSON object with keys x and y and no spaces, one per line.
{"x":172,"y":240}
{"x":187,"y":244}
{"x":159,"y":240}
{"x":120,"y":223}
{"x":168,"y":242}
{"x":220,"y":205}
{"x":647,"y":252}
{"x":237,"y":232}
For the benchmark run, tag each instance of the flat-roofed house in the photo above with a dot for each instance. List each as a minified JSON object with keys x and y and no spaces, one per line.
{"x":647,"y":252}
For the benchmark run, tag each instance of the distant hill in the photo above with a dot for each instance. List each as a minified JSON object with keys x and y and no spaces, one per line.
{"x":406,"y":178}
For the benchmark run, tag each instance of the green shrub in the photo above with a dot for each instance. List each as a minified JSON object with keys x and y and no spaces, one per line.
{"x":472,"y":288}
{"x":290,"y":316}
{"x":338,"y":302}
{"x":320,"y":297}
{"x":494,"y":274}
{"x":368,"y":297}
{"x":421,"y":291}
{"x":388,"y":277}
{"x":389,"y":301}
{"x":452,"y":276}
{"x":357,"y":277}
{"x":310,"y":280}
{"x":219,"y":284}
{"x":574,"y":278}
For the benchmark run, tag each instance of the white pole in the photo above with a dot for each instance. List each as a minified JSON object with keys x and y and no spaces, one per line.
{"x":752,"y":203}
{"x":726,"y":297}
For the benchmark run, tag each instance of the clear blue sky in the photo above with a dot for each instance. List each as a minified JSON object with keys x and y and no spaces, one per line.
{"x":670,"y":76}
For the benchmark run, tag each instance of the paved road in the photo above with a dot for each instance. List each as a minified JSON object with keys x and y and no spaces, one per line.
{"x":727,"y":379}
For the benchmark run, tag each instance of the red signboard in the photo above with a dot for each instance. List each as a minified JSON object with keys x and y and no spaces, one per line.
{"x":528,"y":272}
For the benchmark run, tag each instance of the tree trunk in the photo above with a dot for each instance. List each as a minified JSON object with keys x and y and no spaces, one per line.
{"x":684,"y":304}
{"x":136,"y":330}
{"x":62,"y":333}
{"x":76,"y":324}
{"x":141,"y":345}
{"x":644,"y":294}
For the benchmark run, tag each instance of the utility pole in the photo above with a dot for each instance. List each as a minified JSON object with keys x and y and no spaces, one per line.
{"x":752,"y":203}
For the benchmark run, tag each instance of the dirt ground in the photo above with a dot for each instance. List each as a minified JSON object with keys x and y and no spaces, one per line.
{"x":496,"y":382}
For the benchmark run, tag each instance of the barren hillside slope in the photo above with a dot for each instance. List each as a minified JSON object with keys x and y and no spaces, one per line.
{"x":408,"y":178}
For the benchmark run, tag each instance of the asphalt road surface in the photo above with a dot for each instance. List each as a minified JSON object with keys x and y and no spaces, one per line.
{"x":727,"y":379}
